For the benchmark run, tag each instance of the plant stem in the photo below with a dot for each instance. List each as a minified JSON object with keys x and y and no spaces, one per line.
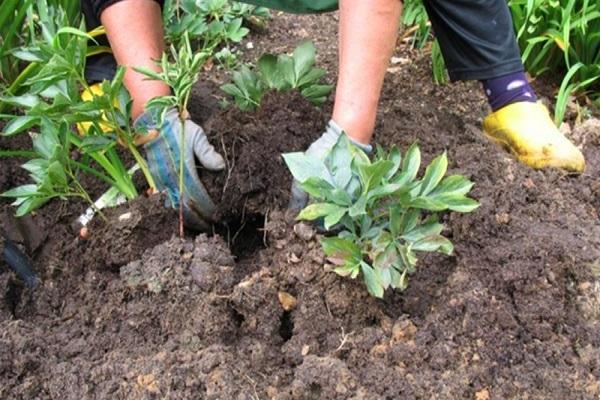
{"x":181,"y":166}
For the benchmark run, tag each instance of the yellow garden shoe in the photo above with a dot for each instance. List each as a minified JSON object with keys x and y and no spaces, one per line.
{"x":526,"y":130}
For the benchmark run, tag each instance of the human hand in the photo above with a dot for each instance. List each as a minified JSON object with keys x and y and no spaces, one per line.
{"x":320,"y":148}
{"x":163,"y":154}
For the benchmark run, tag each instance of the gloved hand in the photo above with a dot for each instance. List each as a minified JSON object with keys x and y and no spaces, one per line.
{"x":320,"y":148}
{"x":162,"y":146}
{"x":527,"y":131}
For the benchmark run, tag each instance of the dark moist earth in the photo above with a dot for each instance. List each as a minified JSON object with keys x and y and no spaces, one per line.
{"x":135,"y":313}
{"x":256,"y":179}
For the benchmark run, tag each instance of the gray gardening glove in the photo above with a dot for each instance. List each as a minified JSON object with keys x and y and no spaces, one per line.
{"x":320,"y":148}
{"x":163,"y":154}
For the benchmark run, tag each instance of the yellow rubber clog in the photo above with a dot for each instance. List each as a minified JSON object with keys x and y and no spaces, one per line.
{"x":526,"y":130}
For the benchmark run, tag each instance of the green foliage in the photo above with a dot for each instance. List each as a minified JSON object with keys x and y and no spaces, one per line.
{"x":561,"y":36}
{"x":387,"y":215}
{"x":16,"y":23}
{"x":52,"y":105}
{"x":416,"y":20}
{"x":282,"y":73}
{"x":215,"y":25}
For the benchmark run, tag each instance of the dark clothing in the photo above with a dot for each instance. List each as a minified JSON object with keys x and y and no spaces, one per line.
{"x":476,"y":36}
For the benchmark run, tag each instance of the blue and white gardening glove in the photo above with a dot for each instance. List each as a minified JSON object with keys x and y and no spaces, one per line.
{"x":320,"y":148}
{"x":163,"y":156}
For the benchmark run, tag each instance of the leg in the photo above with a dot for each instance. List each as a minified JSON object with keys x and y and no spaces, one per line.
{"x":134,"y":30}
{"x":367,"y":37}
{"x":478,"y":42}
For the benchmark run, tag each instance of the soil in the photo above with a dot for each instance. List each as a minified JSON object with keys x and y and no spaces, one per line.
{"x":136,"y":313}
{"x":256,"y":178}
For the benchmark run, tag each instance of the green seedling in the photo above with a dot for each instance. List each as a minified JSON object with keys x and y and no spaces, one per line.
{"x":281,"y":73}
{"x":387,"y":215}
{"x":180,"y":73}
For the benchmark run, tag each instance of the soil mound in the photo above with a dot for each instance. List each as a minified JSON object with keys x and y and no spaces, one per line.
{"x":256,"y":179}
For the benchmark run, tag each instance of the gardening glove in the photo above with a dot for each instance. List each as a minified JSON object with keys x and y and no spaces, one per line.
{"x":526,"y":130}
{"x":320,"y":148}
{"x":162,"y":146}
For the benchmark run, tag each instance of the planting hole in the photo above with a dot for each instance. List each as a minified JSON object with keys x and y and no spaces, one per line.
{"x":286,"y":327}
{"x":244,"y":236}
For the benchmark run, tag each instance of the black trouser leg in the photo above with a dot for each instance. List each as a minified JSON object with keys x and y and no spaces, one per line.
{"x":476,"y":38}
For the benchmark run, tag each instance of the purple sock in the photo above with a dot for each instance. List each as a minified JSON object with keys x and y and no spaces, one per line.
{"x":508,"y":89}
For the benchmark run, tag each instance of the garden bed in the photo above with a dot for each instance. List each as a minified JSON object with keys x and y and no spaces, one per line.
{"x":135,"y":312}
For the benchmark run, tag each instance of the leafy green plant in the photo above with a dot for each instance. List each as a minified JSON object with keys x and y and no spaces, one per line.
{"x":212,"y":24}
{"x":386,"y":214}
{"x":282,"y":73}
{"x":52,"y":101}
{"x":16,"y":21}
{"x":180,"y":73}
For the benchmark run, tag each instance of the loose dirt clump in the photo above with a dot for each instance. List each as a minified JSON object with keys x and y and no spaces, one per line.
{"x":256,"y":179}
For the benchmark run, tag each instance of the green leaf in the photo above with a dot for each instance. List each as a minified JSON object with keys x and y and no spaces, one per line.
{"x":372,"y":280}
{"x":267,"y":64}
{"x":91,"y":144}
{"x":372,"y":174}
{"x":396,"y":158}
{"x":339,"y":161}
{"x":457,"y":202}
{"x":31,"y":203}
{"x":318,"y":210}
{"x":318,"y":188}
{"x":359,"y":208}
{"x":285,"y":66}
{"x":428,"y":228}
{"x":304,"y":166}
{"x":57,"y":175}
{"x":304,"y":59}
{"x":19,"y":124}
{"x":311,"y":77}
{"x":22,"y":191}
{"x":433,"y":243}
{"x":349,"y":269}
{"x":341,"y":248}
{"x":426,"y":203}
{"x":453,"y":184}
{"x":25,"y":101}
{"x":334,"y":217}
{"x":411,"y":163}
{"x":434,"y":173}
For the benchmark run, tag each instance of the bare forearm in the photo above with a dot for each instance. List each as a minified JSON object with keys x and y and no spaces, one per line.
{"x":135,"y":32}
{"x":367,"y":35}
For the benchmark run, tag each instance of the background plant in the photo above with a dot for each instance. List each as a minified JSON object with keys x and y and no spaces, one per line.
{"x":211,"y":25}
{"x":386,"y":214}
{"x":16,"y":18}
{"x":281,"y":73}
{"x":564,"y":37}
{"x":51,"y":101}
{"x":416,"y":23}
